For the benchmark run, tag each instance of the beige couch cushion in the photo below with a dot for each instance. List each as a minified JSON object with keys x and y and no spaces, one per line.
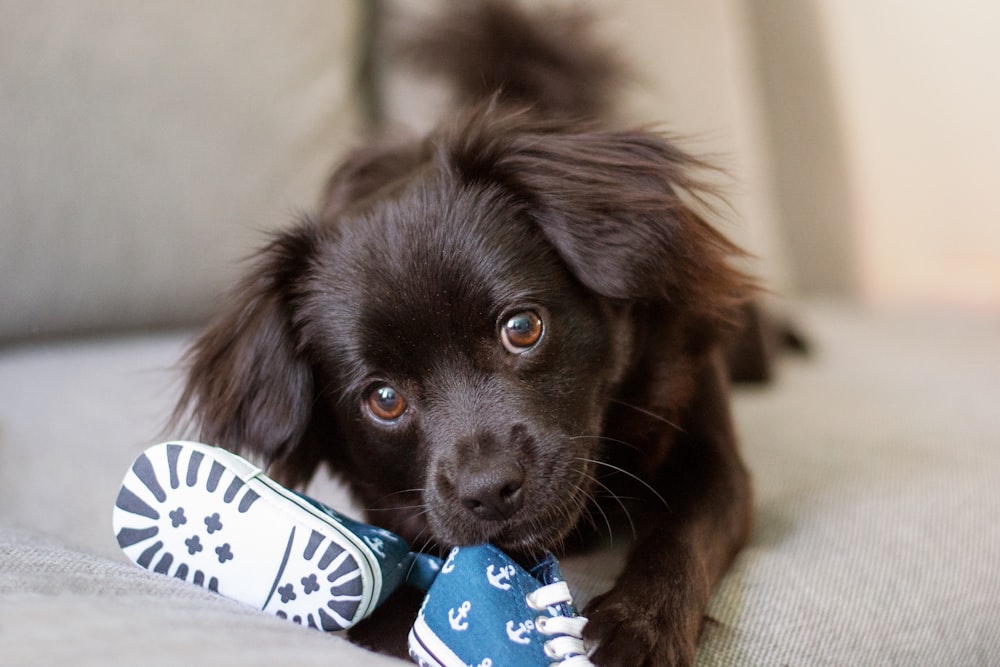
{"x":144,"y":146}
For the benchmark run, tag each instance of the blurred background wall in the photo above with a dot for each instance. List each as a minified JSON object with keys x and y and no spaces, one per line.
{"x":898,"y":101}
{"x":863,"y":136}
{"x":146,"y":147}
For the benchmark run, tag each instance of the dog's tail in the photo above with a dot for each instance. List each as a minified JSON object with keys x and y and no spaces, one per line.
{"x":548,"y":59}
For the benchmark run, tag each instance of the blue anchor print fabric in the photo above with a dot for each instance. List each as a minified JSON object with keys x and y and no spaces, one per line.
{"x":476,"y":612}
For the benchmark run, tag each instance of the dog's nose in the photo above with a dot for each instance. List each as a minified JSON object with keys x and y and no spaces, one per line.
{"x":494,"y":493}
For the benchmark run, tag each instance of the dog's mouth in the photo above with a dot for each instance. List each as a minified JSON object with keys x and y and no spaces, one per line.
{"x":549,"y":515}
{"x":527,"y":535}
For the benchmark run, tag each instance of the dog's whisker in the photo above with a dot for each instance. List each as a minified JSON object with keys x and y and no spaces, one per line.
{"x":648,"y":413}
{"x":381,"y":504}
{"x":401,"y":492}
{"x":594,"y":505}
{"x":604,"y":438}
{"x":621,"y":503}
{"x":631,"y":475}
{"x":620,"y":500}
{"x":396,"y":507}
{"x":428,"y":543}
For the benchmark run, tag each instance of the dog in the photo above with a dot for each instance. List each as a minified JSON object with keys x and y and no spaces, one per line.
{"x":513,"y":330}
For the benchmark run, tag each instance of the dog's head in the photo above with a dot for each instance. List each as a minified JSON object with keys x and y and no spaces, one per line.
{"x":453,"y":331}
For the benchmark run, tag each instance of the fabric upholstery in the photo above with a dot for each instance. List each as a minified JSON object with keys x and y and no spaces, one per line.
{"x":875,"y":465}
{"x":146,"y":146}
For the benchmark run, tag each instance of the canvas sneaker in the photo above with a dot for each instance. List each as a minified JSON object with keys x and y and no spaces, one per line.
{"x":210,"y":517}
{"x":485,"y":610}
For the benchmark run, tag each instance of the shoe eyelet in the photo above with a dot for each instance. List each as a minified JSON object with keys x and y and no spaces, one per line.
{"x":530,"y":599}
{"x":551,"y":652}
{"x":541,"y":623}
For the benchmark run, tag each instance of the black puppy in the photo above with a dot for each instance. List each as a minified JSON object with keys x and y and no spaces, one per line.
{"x":510,"y":331}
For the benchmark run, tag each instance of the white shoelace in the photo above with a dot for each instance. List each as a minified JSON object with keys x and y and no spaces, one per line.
{"x":566,"y":646}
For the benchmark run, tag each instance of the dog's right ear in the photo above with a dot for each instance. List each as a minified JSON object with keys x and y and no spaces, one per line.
{"x":249,"y":385}
{"x":612,"y":203}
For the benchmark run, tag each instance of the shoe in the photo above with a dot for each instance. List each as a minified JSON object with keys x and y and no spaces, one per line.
{"x":209,"y":517}
{"x":485,"y":610}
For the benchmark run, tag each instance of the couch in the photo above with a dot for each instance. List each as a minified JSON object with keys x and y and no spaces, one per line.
{"x":875,"y":463}
{"x":134,"y":177}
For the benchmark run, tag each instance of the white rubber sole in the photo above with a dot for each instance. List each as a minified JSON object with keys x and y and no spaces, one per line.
{"x":427,"y":650}
{"x":209,"y":517}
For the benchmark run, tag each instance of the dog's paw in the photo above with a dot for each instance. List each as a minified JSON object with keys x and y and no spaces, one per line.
{"x":628,"y":632}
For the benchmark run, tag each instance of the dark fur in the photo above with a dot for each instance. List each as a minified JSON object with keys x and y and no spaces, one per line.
{"x":620,"y":413}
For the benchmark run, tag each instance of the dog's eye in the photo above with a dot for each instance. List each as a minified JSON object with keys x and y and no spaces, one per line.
{"x":386,"y":404}
{"x":521,"y":331}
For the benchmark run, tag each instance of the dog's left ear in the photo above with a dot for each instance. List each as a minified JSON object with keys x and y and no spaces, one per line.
{"x":611,"y":204}
{"x":366,"y":171}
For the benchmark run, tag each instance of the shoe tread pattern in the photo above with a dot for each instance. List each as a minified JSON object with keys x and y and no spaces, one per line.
{"x":184,"y":514}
